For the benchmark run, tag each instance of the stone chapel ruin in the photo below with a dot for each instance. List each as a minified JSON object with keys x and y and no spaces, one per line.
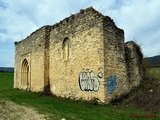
{"x":81,"y":57}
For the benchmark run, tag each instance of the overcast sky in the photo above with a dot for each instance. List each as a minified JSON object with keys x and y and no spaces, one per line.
{"x":140,"y":19}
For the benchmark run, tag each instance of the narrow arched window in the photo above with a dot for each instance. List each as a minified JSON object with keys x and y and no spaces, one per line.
{"x":65,"y":48}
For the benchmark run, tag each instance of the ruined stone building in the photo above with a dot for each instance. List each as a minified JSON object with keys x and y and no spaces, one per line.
{"x":81,"y":57}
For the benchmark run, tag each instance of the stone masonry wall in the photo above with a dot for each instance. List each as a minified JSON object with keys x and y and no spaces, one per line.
{"x":72,"y":77}
{"x":114,"y":59}
{"x":81,"y":57}
{"x":134,"y":63}
{"x":31,"y":49}
{"x":46,"y":59}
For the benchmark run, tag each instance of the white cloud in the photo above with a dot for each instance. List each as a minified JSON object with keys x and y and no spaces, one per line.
{"x":17,"y":25}
{"x":138,"y":18}
{"x":140,"y":21}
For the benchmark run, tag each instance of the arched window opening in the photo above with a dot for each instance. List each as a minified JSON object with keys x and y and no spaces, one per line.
{"x":25,"y":74}
{"x":65,"y":48}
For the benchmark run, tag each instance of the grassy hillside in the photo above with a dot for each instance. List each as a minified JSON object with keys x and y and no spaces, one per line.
{"x":58,"y":108}
{"x":147,"y":95}
{"x":154,"y":61}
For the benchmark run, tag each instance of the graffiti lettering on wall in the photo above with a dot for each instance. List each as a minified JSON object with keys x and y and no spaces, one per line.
{"x":111,"y":84}
{"x":88,"y":81}
{"x":100,"y":75}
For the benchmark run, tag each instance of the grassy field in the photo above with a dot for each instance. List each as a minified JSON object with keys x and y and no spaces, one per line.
{"x":155,"y":73}
{"x":58,"y":108}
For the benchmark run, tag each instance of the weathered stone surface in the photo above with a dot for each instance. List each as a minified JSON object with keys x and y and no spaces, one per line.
{"x":81,"y":57}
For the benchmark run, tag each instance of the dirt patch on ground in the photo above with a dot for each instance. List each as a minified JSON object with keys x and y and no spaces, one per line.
{"x":13,"y":111}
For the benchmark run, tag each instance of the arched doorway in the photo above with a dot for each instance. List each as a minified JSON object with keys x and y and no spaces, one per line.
{"x":25,"y":75}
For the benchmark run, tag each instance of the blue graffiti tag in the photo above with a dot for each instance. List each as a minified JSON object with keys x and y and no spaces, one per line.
{"x":111,"y":84}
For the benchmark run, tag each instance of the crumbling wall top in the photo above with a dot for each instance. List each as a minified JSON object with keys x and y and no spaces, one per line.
{"x":43,"y":28}
{"x":88,"y":12}
{"x":73,"y":17}
{"x":135,"y":47}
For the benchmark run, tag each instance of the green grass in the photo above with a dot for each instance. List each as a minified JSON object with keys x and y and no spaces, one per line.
{"x":155,"y":73}
{"x":58,"y":108}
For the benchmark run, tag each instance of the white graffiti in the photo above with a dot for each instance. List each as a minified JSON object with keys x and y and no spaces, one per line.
{"x":88,"y":81}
